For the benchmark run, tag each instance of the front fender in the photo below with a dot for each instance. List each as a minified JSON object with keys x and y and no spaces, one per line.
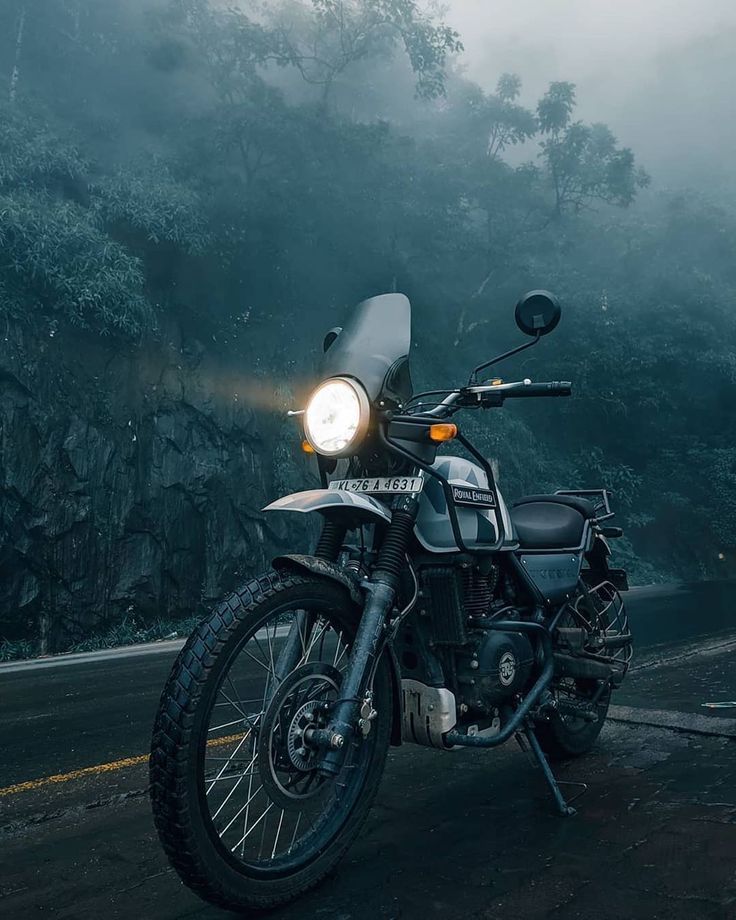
{"x":327,"y":501}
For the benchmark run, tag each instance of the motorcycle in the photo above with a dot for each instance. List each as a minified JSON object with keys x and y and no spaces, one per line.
{"x":429,"y":613}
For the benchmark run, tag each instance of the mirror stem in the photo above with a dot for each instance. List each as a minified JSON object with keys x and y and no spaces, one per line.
{"x":514,"y":351}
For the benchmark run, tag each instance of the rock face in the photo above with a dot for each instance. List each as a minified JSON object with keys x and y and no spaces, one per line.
{"x":132,"y":480}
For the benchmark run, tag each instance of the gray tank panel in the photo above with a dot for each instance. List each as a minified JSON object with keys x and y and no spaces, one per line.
{"x":481,"y":528}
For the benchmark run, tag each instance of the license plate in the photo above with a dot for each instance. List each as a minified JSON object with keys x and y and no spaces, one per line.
{"x":382,"y":485}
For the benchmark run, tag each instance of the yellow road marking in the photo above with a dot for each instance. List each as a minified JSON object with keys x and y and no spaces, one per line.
{"x":97,"y":770}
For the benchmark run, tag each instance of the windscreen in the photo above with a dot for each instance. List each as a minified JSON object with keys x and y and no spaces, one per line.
{"x":374,"y":340}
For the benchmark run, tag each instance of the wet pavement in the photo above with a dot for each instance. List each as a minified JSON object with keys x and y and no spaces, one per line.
{"x":471,"y":834}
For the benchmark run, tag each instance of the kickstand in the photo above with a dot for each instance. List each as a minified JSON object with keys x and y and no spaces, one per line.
{"x":564,"y":807}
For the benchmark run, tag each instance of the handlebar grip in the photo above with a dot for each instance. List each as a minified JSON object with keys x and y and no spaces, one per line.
{"x":552,"y":388}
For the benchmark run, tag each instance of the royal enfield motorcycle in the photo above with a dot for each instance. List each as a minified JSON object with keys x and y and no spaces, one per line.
{"x":429,"y":613}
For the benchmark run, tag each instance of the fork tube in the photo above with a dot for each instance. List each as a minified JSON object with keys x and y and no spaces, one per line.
{"x":382,"y":589}
{"x":331,"y":539}
{"x":328,"y":548}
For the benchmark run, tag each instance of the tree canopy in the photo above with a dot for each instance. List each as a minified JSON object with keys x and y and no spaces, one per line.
{"x":248,"y":172}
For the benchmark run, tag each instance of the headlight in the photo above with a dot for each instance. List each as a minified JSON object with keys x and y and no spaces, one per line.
{"x":337,"y":416}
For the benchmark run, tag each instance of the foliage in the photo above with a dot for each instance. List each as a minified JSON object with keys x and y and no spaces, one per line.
{"x":133,"y":631}
{"x":149,"y":200}
{"x":56,"y":260}
{"x":62,"y":255}
{"x":583,"y":161}
{"x":212,"y":167}
{"x":341,"y":33}
{"x":130,"y":631}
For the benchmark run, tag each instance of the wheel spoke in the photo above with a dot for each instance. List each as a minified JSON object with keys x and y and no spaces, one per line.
{"x":296,"y":829}
{"x":239,"y":813}
{"x":270,"y":654}
{"x":230,"y":758}
{"x":217,"y":728}
{"x":313,"y":639}
{"x":278,"y":833}
{"x":230,"y":794}
{"x":268,"y":783}
{"x":253,"y":827}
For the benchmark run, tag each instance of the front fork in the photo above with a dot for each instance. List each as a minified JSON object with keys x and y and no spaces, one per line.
{"x":297,"y":640}
{"x":381,"y":590}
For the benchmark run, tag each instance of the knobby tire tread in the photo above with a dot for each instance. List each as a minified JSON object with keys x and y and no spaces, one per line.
{"x":172,"y":735}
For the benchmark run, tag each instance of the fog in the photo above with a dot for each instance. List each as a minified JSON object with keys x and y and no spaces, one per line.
{"x":661,"y":74}
{"x":192,"y":193}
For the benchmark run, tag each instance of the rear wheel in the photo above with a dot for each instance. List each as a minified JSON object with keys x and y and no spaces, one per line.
{"x":245,"y":816}
{"x":565,"y":734}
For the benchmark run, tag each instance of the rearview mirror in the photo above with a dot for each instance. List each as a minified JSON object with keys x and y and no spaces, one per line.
{"x":537,"y":313}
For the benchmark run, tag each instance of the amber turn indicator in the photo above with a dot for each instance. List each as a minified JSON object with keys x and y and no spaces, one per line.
{"x":442,"y":432}
{"x":307,"y":447}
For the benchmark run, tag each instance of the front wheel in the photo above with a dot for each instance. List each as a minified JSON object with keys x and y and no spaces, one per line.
{"x":241,"y":808}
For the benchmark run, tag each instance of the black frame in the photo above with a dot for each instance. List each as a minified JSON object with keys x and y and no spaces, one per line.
{"x":446,"y":487}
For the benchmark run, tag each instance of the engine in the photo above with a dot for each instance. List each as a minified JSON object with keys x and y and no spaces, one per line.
{"x":492,"y":669}
{"x":448,"y":644}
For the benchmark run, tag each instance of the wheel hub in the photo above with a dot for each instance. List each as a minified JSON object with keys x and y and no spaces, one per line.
{"x":310,"y":716}
{"x":287,"y":761}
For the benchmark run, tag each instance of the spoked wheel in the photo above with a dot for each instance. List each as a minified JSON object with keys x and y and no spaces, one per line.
{"x":245,"y":814}
{"x":567,"y":734}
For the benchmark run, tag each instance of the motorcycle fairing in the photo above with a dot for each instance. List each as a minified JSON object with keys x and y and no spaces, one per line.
{"x":330,"y":500}
{"x":373,"y":347}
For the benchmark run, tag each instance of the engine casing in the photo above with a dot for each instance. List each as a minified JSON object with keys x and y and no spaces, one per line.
{"x":496,"y":668}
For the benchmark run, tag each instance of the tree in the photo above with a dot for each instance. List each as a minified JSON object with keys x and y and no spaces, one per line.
{"x":15,"y":73}
{"x":510,"y":123}
{"x":584,"y":162}
{"x":66,"y":242}
{"x":325,"y":39}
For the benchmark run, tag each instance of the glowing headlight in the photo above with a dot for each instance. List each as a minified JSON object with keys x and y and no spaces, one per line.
{"x":337,"y":416}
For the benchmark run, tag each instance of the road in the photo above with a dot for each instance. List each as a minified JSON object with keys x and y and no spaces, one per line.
{"x":451,"y":836}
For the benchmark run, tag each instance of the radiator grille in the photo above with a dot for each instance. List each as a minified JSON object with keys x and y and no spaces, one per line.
{"x":442,"y":590}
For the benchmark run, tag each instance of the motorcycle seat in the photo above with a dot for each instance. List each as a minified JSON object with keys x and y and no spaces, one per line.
{"x":585,"y":507}
{"x":550,"y":521}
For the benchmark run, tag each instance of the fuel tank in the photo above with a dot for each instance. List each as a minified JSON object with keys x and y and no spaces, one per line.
{"x":484,"y":520}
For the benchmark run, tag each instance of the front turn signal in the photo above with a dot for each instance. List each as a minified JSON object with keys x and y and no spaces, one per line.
{"x":442,"y":432}
{"x":307,"y":447}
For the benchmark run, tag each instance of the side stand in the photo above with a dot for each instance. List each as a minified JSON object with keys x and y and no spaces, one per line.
{"x":563,"y":806}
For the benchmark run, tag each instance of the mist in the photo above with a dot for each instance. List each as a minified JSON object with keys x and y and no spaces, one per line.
{"x":660,"y":74}
{"x":191,"y":196}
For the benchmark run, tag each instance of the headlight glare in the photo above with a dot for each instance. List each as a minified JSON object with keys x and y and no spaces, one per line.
{"x":337,"y":416}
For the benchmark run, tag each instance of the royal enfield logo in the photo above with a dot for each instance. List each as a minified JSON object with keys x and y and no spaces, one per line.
{"x":479,"y":498}
{"x":507,"y":669}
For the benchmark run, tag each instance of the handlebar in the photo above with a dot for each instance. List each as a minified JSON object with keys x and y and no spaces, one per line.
{"x":552,"y":388}
{"x":489,"y":395}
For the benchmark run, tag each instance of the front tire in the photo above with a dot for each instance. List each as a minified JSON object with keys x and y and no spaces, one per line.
{"x":209,"y":843}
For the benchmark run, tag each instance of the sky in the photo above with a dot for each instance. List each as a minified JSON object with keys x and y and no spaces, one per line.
{"x":661,"y":73}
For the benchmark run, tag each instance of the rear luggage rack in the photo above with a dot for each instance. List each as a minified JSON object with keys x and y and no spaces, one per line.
{"x":599,"y":498}
{"x":601,"y":610}
{"x":618,"y":578}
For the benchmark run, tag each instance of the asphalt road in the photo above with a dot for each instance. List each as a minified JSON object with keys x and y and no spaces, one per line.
{"x":461,"y":835}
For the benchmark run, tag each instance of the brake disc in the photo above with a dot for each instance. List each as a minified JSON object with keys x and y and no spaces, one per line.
{"x":286,"y":762}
